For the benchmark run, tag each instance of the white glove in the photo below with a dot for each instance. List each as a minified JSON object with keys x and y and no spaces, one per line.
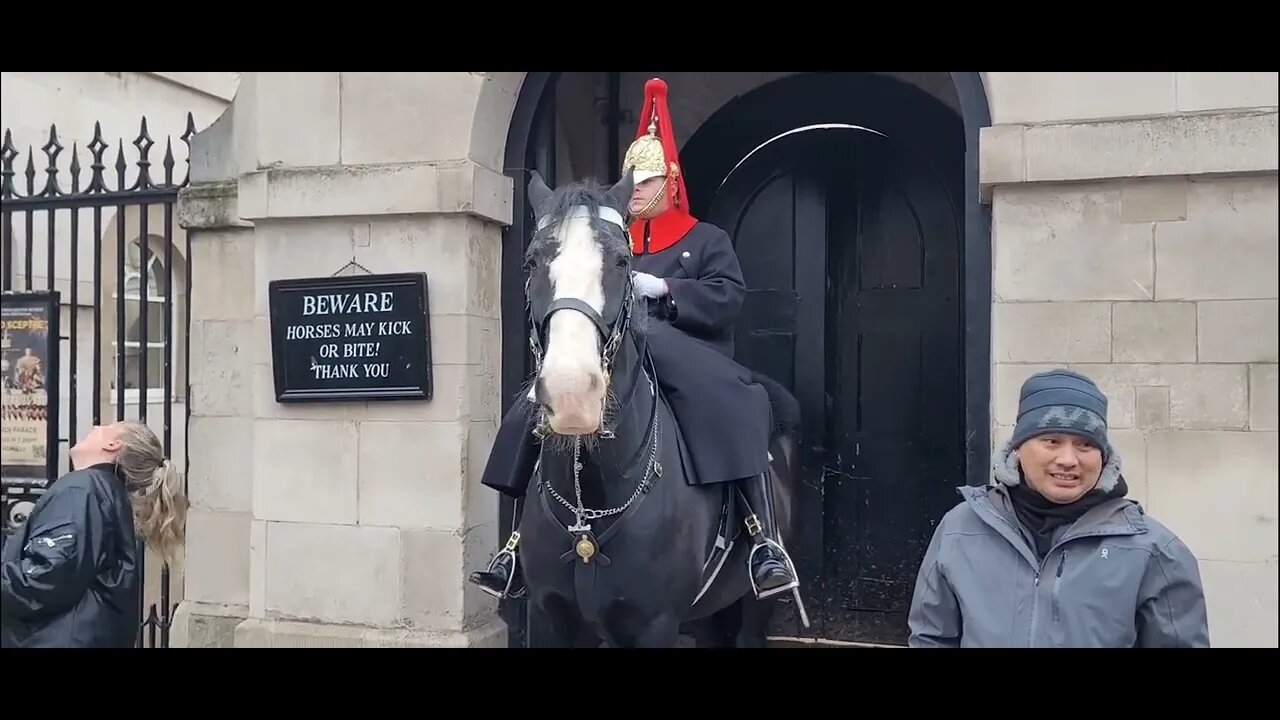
{"x":648,"y":285}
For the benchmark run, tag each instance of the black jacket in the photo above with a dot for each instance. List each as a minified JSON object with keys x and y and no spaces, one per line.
{"x":71,"y":575}
{"x":705,"y":280}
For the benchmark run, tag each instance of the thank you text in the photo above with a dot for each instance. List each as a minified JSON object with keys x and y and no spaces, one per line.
{"x":360,"y":337}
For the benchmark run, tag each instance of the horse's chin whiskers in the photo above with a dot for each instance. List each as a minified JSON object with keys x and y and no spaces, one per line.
{"x":557,"y":443}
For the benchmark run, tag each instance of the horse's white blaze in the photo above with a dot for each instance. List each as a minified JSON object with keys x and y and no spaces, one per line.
{"x":571,"y":372}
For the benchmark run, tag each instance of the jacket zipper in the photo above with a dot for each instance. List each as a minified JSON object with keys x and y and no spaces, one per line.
{"x":1057,"y":585}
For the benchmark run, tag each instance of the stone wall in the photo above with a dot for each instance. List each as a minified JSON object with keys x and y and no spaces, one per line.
{"x":1134,"y":232}
{"x":343,"y":523}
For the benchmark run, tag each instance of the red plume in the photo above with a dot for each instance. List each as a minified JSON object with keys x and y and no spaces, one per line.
{"x":671,"y":226}
{"x":655,"y":101}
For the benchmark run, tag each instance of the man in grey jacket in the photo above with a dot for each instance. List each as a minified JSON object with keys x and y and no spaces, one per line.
{"x":1052,"y":554}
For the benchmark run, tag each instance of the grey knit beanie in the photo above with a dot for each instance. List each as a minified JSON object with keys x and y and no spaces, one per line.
{"x":1062,"y":401}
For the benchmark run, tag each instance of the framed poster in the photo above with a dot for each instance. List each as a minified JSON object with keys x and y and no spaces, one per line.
{"x":351,"y":338}
{"x":29,"y":366}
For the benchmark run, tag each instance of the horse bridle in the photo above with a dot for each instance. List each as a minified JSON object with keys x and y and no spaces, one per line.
{"x":609,"y":333}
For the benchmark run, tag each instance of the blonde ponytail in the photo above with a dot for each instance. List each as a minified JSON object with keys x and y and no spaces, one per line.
{"x":155,"y":489}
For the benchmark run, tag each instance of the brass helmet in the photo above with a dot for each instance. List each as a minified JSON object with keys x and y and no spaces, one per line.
{"x":653,"y":153}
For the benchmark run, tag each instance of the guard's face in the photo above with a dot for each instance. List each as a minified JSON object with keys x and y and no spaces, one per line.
{"x":1061,"y":466}
{"x":643,"y":196}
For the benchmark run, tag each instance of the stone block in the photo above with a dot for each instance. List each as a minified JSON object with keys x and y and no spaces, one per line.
{"x":465,"y":340}
{"x":398,"y":117}
{"x":205,"y":625}
{"x":286,"y":634}
{"x":1201,"y":397}
{"x":1153,"y":332}
{"x":1226,"y":248}
{"x":208,"y":206}
{"x":1052,"y":332}
{"x":412,"y":474}
{"x":1131,"y":445}
{"x":1198,"y":91}
{"x":1156,"y":200}
{"x":220,"y":367}
{"x":480,"y":504}
{"x":1067,"y":243}
{"x":1239,"y":331}
{"x":217,"y":550}
{"x":490,"y":635}
{"x":433,"y":576}
{"x":495,"y":106}
{"x":1045,"y":97}
{"x":1008,"y":384}
{"x":333,"y":573}
{"x":221,"y":475}
{"x":1152,"y":407}
{"x":1001,"y":157}
{"x":1173,"y":146}
{"x":1263,"y":390}
{"x":298,"y":119}
{"x":1241,"y":599}
{"x":258,"y":568}
{"x":1217,"y":491}
{"x":462,"y":255}
{"x":305,"y":471}
{"x":343,"y":191}
{"x":226,"y":282}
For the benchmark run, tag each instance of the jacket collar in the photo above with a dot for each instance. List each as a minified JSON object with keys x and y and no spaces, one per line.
{"x":1115,"y":517}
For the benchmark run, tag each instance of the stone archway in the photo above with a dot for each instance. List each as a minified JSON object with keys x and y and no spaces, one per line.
{"x":518,"y":99}
{"x":530,"y":143}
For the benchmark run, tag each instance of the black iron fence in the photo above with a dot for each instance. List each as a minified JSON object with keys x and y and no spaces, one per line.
{"x":141,"y":371}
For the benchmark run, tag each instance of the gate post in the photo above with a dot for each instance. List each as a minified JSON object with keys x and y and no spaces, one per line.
{"x":347,"y":522}
{"x":220,"y":431}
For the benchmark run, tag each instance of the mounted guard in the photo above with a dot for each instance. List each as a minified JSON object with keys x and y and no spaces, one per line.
{"x":689,"y":274}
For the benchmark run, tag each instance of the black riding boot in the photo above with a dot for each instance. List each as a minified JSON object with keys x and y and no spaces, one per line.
{"x":771,"y":571}
{"x":502,"y":580}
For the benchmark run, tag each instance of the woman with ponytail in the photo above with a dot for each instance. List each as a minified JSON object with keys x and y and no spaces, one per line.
{"x":72,"y":575}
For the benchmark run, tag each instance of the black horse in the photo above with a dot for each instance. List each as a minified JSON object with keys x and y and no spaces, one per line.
{"x":616,"y":544}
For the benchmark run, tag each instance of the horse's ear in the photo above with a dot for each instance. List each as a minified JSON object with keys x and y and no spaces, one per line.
{"x":620,"y":193}
{"x":539,"y":193}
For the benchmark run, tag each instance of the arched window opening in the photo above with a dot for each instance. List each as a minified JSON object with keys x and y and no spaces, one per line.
{"x":140,"y":339}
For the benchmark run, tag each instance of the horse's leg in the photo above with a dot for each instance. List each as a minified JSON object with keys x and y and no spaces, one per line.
{"x":719,"y":630}
{"x":754,"y":628}
{"x":663,"y":632}
{"x":553,"y":623}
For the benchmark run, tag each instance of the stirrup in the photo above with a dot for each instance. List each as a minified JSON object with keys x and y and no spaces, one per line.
{"x":510,"y":550}
{"x":754,"y":528}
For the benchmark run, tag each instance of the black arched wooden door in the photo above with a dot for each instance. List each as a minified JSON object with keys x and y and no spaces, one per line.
{"x":850,"y":246}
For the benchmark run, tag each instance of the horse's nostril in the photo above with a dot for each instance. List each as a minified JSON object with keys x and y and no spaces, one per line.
{"x":595,"y":383}
{"x":540,"y":391}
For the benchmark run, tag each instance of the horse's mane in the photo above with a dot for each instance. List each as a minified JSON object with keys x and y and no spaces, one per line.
{"x":593,"y":195}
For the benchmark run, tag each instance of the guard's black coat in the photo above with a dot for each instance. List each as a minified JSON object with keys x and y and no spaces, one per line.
{"x":70,"y":576}
{"x":722,"y":412}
